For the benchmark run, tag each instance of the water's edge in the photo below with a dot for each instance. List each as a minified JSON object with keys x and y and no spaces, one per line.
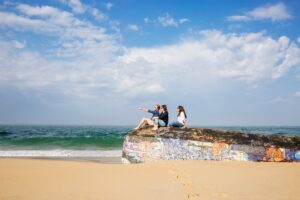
{"x":102,"y":160}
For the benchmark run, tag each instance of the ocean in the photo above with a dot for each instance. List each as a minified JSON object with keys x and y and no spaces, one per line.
{"x":86,"y":141}
{"x":62,"y":141}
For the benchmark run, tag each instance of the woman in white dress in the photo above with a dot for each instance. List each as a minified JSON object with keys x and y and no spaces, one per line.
{"x":181,"y":118}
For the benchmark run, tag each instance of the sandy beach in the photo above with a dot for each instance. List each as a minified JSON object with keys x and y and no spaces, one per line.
{"x":59,"y":179}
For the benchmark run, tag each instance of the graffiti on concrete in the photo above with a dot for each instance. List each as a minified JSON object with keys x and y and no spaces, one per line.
{"x":146,"y":149}
{"x":297,"y":155}
{"x":220,"y":150}
{"x":274,"y":154}
{"x":255,"y":153}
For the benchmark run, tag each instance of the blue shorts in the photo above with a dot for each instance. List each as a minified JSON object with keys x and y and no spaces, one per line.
{"x":176,"y":124}
{"x":159,"y":122}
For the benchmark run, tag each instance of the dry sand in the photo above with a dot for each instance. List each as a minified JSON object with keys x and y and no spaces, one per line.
{"x":58,"y":179}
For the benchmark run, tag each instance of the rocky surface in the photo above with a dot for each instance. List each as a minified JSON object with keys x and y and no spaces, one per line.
{"x":169,"y":143}
{"x":210,"y":135}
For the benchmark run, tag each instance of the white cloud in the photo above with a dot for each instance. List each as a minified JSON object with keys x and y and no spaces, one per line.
{"x":80,"y":77}
{"x":98,"y":14}
{"x":18,"y":44}
{"x":238,"y":18}
{"x":148,"y":20}
{"x":167,"y":20}
{"x":133,"y":27}
{"x":80,"y":8}
{"x":88,"y":62}
{"x":298,"y":39}
{"x":41,"y":11}
{"x":50,"y":16}
{"x":15,"y":21}
{"x":115,"y":25}
{"x":46,"y":19}
{"x":109,"y":5}
{"x":8,"y":3}
{"x":79,"y":41}
{"x":248,"y":56}
{"x":297,"y":94}
{"x":277,"y":12}
{"x":183,"y":20}
{"x":76,"y":5}
{"x":291,"y":58}
{"x":83,"y":62}
{"x":274,"y":12}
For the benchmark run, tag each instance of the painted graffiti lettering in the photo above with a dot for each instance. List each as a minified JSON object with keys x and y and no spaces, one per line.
{"x":146,"y":149}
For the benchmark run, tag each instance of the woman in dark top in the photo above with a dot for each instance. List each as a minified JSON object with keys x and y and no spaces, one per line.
{"x":163,"y":118}
{"x":146,"y":121}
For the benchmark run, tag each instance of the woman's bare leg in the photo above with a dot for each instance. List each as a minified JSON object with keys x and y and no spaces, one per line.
{"x":140,"y":123}
{"x":149,"y":122}
{"x":143,"y":122}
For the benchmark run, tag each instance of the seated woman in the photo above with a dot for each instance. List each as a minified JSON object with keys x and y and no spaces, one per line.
{"x":163,"y":118}
{"x":146,"y":121}
{"x":181,"y":118}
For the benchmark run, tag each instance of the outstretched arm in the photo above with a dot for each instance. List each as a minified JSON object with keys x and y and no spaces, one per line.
{"x":143,"y":109}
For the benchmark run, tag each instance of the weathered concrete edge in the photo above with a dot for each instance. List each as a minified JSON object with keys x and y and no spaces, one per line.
{"x":207,"y":144}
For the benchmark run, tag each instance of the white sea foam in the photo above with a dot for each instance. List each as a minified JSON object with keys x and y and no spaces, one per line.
{"x":61,"y":153}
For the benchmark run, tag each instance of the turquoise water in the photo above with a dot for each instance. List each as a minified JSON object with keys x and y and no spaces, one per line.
{"x":64,"y":137}
{"x":16,"y":140}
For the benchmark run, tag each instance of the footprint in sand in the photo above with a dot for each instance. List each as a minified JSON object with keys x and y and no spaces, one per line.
{"x":223,"y":195}
{"x":187,"y":184}
{"x":182,"y":177}
{"x":193,"y":196}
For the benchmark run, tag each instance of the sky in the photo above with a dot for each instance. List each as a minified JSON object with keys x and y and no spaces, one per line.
{"x":72,"y":62}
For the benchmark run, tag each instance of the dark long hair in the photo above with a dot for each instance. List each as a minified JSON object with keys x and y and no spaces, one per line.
{"x":181,"y":109}
{"x":158,"y":106}
{"x":164,"y":107}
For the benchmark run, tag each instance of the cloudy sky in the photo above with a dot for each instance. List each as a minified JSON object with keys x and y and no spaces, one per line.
{"x":96,"y":62}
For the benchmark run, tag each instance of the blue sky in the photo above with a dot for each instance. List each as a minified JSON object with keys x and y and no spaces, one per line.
{"x":96,"y":62}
